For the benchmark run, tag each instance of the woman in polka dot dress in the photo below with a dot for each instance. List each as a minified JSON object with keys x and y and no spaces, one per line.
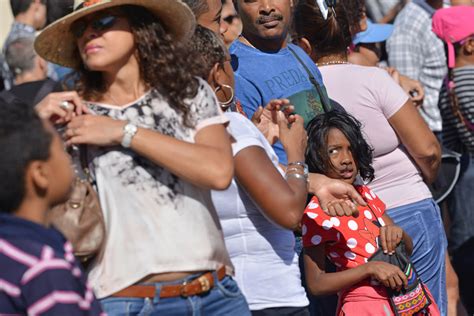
{"x":337,"y":149}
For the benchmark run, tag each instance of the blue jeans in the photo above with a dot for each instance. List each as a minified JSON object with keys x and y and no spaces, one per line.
{"x":422,"y":221}
{"x":461,"y":204}
{"x":224,"y":298}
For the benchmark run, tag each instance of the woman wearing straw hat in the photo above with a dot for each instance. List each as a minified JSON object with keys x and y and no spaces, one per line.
{"x":157,"y":144}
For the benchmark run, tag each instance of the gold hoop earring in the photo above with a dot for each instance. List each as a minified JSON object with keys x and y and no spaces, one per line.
{"x":226,"y":104}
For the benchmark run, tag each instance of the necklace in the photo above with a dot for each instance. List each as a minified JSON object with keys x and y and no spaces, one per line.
{"x":333,"y":62}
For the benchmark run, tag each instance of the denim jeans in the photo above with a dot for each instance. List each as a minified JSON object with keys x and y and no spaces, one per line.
{"x":422,"y":221}
{"x":460,"y":205}
{"x":224,"y":298}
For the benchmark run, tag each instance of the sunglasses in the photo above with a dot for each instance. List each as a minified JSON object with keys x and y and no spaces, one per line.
{"x":99,"y":24}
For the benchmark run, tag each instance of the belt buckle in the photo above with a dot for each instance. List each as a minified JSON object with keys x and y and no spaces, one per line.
{"x":203,"y":282}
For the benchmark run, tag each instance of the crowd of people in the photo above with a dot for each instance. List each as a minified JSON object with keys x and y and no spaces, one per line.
{"x":245,"y":157}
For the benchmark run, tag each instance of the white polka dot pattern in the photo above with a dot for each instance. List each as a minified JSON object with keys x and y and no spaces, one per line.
{"x":350,"y":255}
{"x":335,"y":221}
{"x":316,"y":239}
{"x":304,"y":230}
{"x":368,"y":214}
{"x":312,"y":215}
{"x":352,"y":225}
{"x":327,"y":225}
{"x":351,"y":243}
{"x":312,"y":205}
{"x":369,"y":248}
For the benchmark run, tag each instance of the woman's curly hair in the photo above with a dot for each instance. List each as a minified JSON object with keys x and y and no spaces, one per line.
{"x":318,"y":129}
{"x":163,"y":63}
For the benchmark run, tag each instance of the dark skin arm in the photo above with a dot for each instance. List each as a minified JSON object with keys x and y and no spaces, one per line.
{"x":321,"y":283}
{"x":283,"y":201}
{"x":418,"y":139}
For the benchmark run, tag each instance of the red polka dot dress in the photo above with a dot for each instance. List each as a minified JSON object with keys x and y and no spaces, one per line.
{"x":349,"y":240}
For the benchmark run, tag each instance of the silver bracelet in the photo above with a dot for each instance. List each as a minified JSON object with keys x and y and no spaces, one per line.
{"x":297,"y":176}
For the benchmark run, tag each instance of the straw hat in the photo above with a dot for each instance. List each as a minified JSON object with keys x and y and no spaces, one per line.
{"x":57,"y":44}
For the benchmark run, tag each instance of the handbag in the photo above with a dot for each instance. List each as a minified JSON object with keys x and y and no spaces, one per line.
{"x":448,"y":175}
{"x":410,"y":300}
{"x":80,"y":219}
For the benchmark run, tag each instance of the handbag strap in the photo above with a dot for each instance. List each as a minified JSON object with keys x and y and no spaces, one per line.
{"x":85,"y":163}
{"x":324,"y":99}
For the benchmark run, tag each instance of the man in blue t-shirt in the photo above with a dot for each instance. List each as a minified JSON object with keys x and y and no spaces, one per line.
{"x":266,"y":65}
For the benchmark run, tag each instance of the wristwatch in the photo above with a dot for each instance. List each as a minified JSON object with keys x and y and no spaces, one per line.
{"x":129,"y":131}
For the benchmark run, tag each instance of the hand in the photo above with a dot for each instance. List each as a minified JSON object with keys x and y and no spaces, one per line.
{"x":94,"y":130}
{"x":414,"y":88}
{"x":390,"y":237}
{"x":266,"y":118}
{"x":51,"y":107}
{"x":388,"y":274}
{"x":393,"y":73}
{"x":293,"y":137}
{"x":327,"y":190}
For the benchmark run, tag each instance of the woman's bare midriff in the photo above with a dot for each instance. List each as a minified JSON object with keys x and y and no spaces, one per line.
{"x":166,"y":277}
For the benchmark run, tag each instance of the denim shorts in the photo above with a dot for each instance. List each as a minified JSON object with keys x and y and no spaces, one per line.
{"x":224,"y":298}
{"x":422,"y":221}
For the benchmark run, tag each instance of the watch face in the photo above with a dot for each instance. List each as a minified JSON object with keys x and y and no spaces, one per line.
{"x":129,"y":128}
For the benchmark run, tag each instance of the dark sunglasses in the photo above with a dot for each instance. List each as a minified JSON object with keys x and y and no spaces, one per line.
{"x":99,"y":25}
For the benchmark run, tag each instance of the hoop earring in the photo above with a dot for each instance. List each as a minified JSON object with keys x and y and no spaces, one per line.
{"x":226,"y":104}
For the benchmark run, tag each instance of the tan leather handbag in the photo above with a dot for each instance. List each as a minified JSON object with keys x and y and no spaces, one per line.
{"x":80,"y":219}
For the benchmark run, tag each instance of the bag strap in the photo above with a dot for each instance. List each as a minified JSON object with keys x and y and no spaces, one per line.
{"x":324,"y":99}
{"x":84,"y":163}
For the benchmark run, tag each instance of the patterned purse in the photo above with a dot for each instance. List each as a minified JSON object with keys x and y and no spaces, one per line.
{"x":410,"y":301}
{"x":414,"y":299}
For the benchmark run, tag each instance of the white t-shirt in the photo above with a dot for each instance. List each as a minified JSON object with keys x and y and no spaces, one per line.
{"x":372,"y":97}
{"x":155,"y":221}
{"x":266,"y":265}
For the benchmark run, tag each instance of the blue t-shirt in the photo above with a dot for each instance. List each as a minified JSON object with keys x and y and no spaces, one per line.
{"x":261,"y":77}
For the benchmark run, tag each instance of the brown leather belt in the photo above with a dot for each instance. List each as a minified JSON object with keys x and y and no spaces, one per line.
{"x":200,"y":285}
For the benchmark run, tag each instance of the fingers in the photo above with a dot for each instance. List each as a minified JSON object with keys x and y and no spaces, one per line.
{"x":282,"y":121}
{"x":335,"y":208}
{"x":383,"y":238}
{"x":256,"y":117}
{"x":355,"y":196}
{"x":400,"y":280}
{"x":60,"y":107}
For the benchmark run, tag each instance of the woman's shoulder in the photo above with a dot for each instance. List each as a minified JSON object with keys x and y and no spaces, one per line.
{"x":204,"y":104}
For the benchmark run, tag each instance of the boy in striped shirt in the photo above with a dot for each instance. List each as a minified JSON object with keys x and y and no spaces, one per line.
{"x":38,"y":272}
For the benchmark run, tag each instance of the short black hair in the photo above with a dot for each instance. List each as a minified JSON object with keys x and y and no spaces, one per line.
{"x":208,"y":50}
{"x":23,"y":139}
{"x":20,"y":6}
{"x":57,"y":9}
{"x":318,"y":129}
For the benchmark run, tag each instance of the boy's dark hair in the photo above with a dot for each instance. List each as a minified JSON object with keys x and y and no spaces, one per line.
{"x":208,"y":50}
{"x":318,"y":129}
{"x":23,"y":139}
{"x":20,"y":6}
